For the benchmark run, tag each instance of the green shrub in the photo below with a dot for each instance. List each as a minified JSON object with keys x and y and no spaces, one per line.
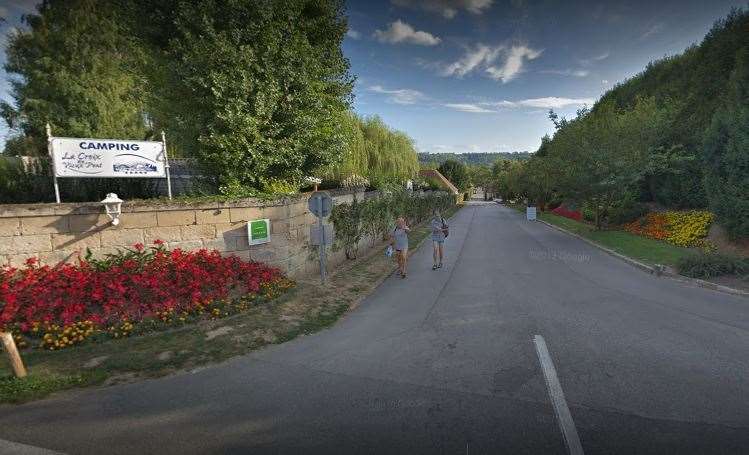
{"x":374,"y":217}
{"x":626,"y":212}
{"x":708,"y":265}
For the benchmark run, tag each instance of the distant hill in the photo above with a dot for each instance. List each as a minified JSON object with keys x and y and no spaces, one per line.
{"x":471,"y":158}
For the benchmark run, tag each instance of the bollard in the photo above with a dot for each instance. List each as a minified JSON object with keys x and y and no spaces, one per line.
{"x":15,"y":358}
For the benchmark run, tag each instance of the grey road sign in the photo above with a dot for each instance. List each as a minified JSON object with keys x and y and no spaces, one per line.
{"x":320,"y":204}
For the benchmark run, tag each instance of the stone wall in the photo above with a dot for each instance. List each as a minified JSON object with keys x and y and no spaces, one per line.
{"x":60,"y":232}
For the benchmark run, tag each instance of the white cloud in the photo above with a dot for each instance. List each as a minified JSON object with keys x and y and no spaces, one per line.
{"x":399,"y":96}
{"x":468,"y":107}
{"x":512,"y":59}
{"x":400,"y":32}
{"x":596,"y":58}
{"x":549,"y":102}
{"x":513,"y":64}
{"x":655,"y":28}
{"x":353,"y":34}
{"x":446,"y":8}
{"x":481,"y":55}
{"x":568,"y":72}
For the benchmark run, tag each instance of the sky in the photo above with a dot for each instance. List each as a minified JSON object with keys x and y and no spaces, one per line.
{"x":481,"y":75}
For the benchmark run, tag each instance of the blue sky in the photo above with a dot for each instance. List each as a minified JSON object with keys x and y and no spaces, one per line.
{"x":481,"y":75}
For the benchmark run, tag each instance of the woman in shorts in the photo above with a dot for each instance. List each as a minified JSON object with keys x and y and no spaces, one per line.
{"x":400,"y":243}
{"x":439,"y":233}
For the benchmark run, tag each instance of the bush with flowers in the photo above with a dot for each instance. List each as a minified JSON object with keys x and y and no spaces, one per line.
{"x":568,"y":213}
{"x":129,"y":292}
{"x":687,"y":229}
{"x":653,"y":225}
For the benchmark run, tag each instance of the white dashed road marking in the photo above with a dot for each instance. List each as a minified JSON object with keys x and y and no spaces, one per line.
{"x":564,"y":418}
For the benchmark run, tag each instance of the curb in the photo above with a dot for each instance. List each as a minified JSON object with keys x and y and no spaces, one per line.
{"x":657,"y":270}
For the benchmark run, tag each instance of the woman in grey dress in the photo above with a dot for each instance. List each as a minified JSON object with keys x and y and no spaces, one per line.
{"x":400,"y":243}
{"x":439,"y":232}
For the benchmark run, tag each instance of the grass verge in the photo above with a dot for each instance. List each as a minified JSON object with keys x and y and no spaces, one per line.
{"x":642,"y":249}
{"x":307,"y":308}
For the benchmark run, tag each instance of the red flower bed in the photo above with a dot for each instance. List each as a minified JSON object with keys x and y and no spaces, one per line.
{"x":567,"y":213}
{"x":127,"y":288}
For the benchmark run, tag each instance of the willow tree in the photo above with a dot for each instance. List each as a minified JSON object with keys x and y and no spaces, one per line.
{"x":376,"y":151}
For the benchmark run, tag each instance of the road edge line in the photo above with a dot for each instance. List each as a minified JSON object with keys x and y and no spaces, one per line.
{"x":556,"y":394}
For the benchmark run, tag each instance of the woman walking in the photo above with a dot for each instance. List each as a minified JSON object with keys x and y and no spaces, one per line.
{"x":400,"y":243}
{"x":439,"y":233}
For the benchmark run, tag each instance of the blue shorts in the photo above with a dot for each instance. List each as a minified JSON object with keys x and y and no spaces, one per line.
{"x":438,"y":240}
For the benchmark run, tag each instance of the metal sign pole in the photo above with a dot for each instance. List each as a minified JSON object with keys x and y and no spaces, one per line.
{"x":322,"y":241}
{"x":52,"y":158}
{"x":166,"y":166}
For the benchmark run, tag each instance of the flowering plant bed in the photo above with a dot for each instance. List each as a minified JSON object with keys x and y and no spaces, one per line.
{"x":567,"y":213}
{"x":133,"y":291}
{"x":687,"y":229}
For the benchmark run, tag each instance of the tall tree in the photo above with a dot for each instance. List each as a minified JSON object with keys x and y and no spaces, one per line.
{"x":456,"y":173}
{"x":258,"y":88}
{"x":726,"y":153}
{"x":74,"y":67}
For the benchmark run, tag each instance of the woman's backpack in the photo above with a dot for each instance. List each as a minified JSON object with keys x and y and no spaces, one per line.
{"x":445,"y":228}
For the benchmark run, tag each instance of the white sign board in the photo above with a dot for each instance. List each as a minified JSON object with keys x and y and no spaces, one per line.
{"x":530,"y":213}
{"x":74,"y":157}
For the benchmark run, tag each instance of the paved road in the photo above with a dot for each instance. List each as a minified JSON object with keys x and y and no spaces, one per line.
{"x":445,"y":362}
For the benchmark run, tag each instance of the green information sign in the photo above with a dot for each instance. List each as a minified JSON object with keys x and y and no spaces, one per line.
{"x":259,"y":231}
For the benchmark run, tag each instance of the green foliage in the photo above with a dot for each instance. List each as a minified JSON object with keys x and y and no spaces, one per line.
{"x":76,"y":69}
{"x":374,"y":217}
{"x":676,"y":134}
{"x":260,"y":87}
{"x":709,"y":265}
{"x":509,"y":179}
{"x":21,"y":183}
{"x":347,"y":220}
{"x":34,"y":387}
{"x":433,"y":160}
{"x":726,"y":154}
{"x":481,"y":176}
{"x":376,"y":152}
{"x":255,"y":91}
{"x":625,"y":211}
{"x":456,"y":172}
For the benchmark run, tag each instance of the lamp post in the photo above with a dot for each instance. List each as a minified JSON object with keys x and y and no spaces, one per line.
{"x":113,"y":206}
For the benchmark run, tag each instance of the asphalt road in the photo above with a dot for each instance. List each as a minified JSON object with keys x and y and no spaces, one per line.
{"x":445,"y":362}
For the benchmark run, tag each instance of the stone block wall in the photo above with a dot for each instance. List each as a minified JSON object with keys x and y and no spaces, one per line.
{"x":55,"y":233}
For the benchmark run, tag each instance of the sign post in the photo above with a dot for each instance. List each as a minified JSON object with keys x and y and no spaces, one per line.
{"x":52,"y":158}
{"x":166,"y":166}
{"x":321,"y":204}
